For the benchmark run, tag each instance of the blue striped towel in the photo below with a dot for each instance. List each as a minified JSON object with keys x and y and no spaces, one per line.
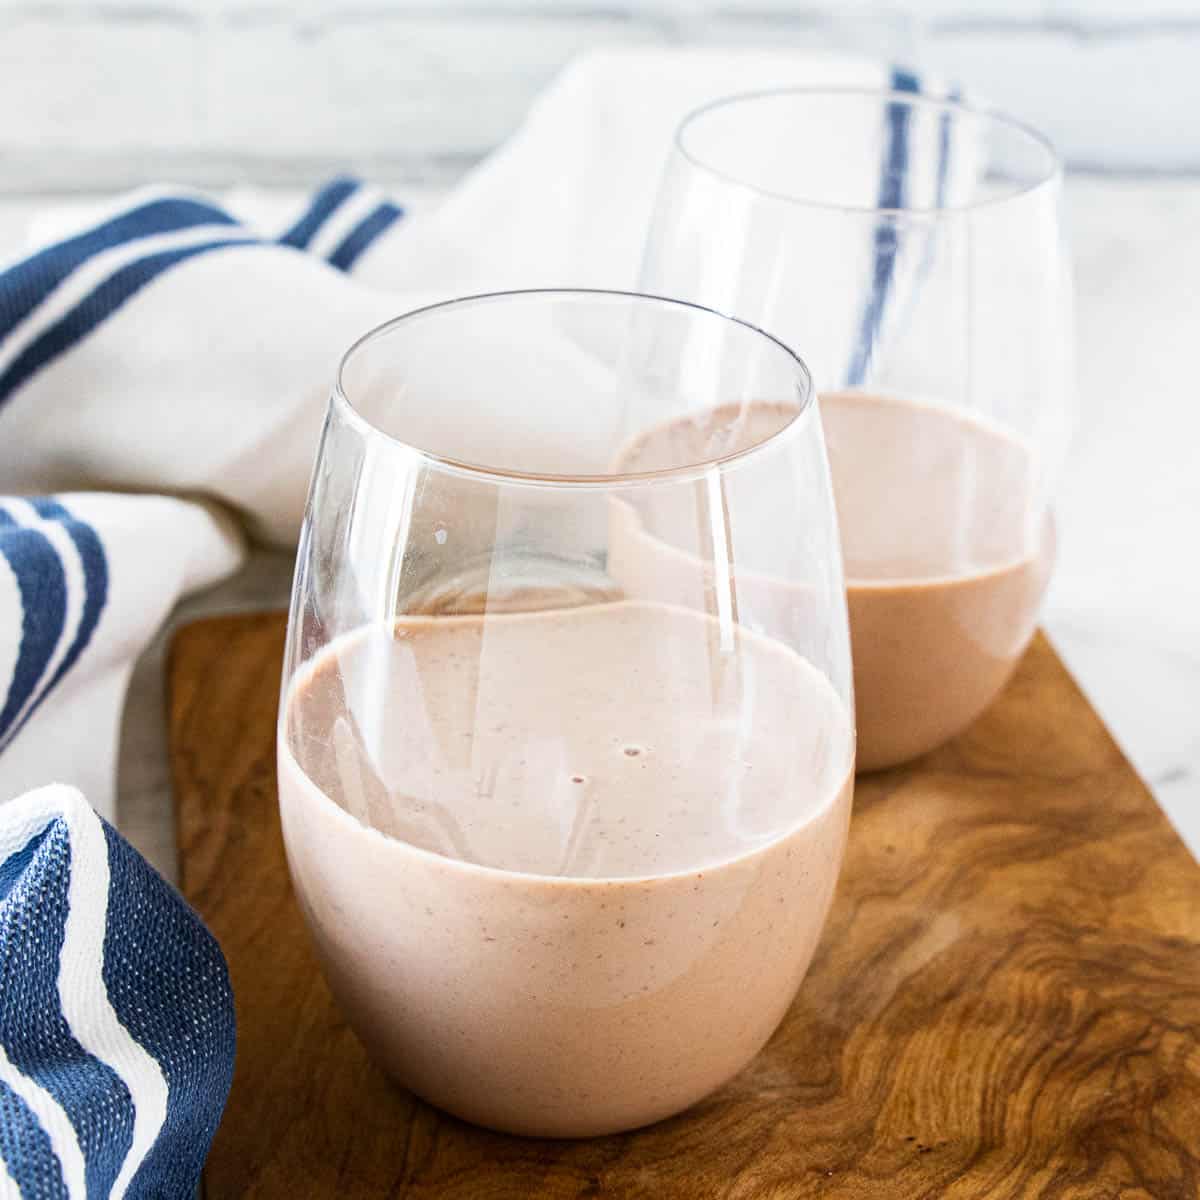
{"x":86,"y":577}
{"x":172,"y":347}
{"x":116,"y":1015}
{"x":116,"y":1019}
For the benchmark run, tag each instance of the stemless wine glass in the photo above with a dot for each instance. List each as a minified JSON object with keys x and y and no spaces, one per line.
{"x":564,"y":811}
{"x":912,"y":246}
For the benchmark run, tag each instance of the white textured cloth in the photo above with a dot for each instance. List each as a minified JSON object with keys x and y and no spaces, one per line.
{"x":85,"y":580}
{"x":172,"y":344}
{"x":116,"y":1015}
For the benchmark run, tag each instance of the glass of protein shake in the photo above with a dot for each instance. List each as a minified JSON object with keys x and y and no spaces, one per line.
{"x":913,"y":247}
{"x":565,"y":818}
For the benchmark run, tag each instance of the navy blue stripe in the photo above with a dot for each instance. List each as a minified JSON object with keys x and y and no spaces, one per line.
{"x":13,"y":867}
{"x":43,"y":587}
{"x":189,"y":1029}
{"x":98,"y":306}
{"x":891,"y":196}
{"x":95,"y":578}
{"x":26,"y":1151}
{"x":26,"y":284}
{"x":48,"y":508}
{"x":33,"y":1031}
{"x":324,"y":204}
{"x":943,"y":167}
{"x":364,"y":233}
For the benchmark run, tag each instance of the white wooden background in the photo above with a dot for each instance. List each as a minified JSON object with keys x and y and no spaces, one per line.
{"x":104,"y":93}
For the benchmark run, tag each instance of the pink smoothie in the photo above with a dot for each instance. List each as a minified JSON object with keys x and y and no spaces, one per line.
{"x":565,"y":870}
{"x":947,"y":554}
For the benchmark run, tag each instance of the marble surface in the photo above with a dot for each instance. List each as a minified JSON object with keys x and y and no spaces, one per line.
{"x":1124,"y":610}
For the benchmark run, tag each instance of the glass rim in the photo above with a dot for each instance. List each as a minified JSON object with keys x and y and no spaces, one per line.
{"x":340,"y":398}
{"x":1049,"y":177}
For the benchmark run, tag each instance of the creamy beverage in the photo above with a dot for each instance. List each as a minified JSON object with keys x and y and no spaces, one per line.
{"x":946,"y":554}
{"x":565,"y":870}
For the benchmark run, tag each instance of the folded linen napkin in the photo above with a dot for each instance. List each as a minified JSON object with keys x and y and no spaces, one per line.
{"x":193,"y":353}
{"x":175,"y":345}
{"x":180,"y":350}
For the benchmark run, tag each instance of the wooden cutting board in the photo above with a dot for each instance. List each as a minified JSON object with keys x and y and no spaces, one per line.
{"x":1006,"y":1002}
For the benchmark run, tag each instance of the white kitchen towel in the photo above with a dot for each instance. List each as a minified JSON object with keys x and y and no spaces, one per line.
{"x":197,"y":358}
{"x":116,"y":1015}
{"x":85,"y":580}
{"x":172,"y":344}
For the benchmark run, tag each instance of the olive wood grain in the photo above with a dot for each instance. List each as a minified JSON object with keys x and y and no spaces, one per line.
{"x":1005,"y":1004}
